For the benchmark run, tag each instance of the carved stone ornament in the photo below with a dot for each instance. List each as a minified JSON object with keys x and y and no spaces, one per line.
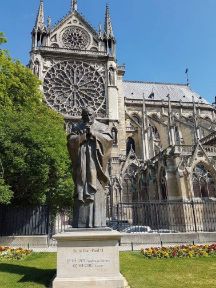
{"x":70,"y":86}
{"x":75,"y":37}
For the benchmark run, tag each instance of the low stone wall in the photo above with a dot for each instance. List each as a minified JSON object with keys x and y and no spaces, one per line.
{"x":156,"y":239}
{"x":25,"y":241}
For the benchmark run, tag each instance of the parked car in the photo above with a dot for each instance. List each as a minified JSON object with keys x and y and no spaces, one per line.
{"x":163,"y":231}
{"x":118,"y":224}
{"x":137,"y":229}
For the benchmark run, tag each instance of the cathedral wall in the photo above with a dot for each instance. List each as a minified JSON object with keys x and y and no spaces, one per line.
{"x":121,"y":117}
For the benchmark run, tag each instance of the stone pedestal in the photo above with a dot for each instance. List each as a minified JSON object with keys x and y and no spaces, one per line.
{"x":88,"y":258}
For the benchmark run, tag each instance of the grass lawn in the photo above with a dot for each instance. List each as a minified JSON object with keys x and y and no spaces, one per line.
{"x":38,"y":270}
{"x":168,"y":273}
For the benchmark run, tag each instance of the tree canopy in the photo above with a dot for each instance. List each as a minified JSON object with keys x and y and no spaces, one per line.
{"x":2,"y":38}
{"x":18,"y":86}
{"x":35,"y":167}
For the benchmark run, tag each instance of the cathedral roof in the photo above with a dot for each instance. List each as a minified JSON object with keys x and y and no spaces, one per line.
{"x":159,"y":91}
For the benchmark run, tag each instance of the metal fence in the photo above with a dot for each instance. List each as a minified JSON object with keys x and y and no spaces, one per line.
{"x":24,"y":220}
{"x":161,"y":217}
{"x":174,"y":216}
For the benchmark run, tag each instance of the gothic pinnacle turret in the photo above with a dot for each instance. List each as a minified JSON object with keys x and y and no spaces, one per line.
{"x":108,"y":30}
{"x":39,"y":24}
{"x":74,"y":5}
{"x":40,"y":31}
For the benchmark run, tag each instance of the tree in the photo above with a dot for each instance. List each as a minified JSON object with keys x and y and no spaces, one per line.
{"x":18,"y":86}
{"x":34,"y":156}
{"x":32,"y":141}
{"x":5,"y":192}
{"x":2,"y":38}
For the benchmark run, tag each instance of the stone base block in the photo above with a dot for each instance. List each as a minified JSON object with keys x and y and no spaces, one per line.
{"x":88,"y":258}
{"x":90,"y":282}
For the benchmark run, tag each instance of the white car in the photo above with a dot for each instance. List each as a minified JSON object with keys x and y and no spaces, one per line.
{"x":137,"y":229}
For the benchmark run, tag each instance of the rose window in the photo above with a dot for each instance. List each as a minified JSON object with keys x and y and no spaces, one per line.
{"x":70,"y":86}
{"x":75,"y":38}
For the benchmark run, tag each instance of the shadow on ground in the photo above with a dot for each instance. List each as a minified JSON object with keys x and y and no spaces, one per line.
{"x":30,"y":274}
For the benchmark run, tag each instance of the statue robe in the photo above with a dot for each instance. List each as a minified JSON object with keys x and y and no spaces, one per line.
{"x":90,"y":155}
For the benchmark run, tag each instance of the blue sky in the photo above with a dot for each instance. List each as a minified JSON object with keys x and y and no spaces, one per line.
{"x":157,"y":39}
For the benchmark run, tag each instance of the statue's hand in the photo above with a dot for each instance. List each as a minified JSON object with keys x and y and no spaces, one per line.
{"x":88,"y":130}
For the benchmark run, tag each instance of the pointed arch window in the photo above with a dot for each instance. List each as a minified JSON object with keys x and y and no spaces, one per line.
{"x":143,"y":187}
{"x":114,"y":132}
{"x":130,"y":145}
{"x":178,"y":136}
{"x":136,"y":118}
{"x":163,"y":184}
{"x":155,"y":133}
{"x":203,"y":182}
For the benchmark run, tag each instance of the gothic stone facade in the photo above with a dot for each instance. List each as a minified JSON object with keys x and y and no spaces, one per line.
{"x":164,"y":134}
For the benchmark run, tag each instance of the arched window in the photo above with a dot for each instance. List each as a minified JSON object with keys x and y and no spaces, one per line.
{"x":178,"y":136}
{"x":55,"y":45}
{"x":114,"y":136}
{"x":130,"y":145}
{"x":136,"y":118}
{"x":155,"y":133}
{"x":143,"y":188}
{"x":203,"y":182}
{"x":163,"y":184}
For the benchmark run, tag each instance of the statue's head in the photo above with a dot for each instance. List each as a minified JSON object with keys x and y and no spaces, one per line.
{"x":88,"y":115}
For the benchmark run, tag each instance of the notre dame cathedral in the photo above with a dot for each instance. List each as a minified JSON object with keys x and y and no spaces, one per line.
{"x":164,"y":133}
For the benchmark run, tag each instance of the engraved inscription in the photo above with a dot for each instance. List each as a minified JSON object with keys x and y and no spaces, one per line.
{"x":87,"y":258}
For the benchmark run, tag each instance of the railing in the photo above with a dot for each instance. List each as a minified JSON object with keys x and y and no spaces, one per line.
{"x":54,"y":49}
{"x":159,"y":216}
{"x":115,"y":160}
{"x":131,"y":129}
{"x":24,"y":220}
{"x":210,"y":150}
{"x":187,"y":150}
{"x":168,"y":216}
{"x":121,"y":67}
{"x":208,"y":138}
{"x":184,"y":149}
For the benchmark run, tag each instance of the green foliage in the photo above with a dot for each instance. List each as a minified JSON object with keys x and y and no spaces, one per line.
{"x":2,"y":38}
{"x":5,"y":192}
{"x":18,"y":85}
{"x":34,"y":156}
{"x":33,"y":147}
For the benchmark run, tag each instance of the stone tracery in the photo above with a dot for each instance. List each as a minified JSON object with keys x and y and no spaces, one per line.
{"x":75,"y":38}
{"x":69,"y":86}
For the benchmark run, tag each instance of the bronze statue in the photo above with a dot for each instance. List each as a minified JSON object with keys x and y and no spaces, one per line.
{"x":89,"y":146}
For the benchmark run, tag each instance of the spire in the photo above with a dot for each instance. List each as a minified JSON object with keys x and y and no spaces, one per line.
{"x":101,"y":36}
{"x":108,"y":24}
{"x":40,"y":17}
{"x":73,"y":5}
